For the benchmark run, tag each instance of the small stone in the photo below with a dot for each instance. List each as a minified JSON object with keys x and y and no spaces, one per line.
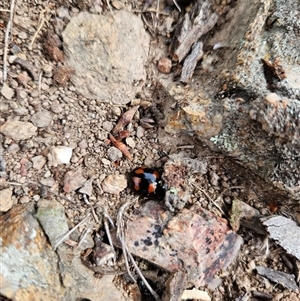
{"x":214,"y":178}
{"x":15,"y":49}
{"x":48,"y":70}
{"x":273,"y":98}
{"x":114,"y":154}
{"x":44,"y":87}
{"x":87,"y":187}
{"x":22,"y":35}
{"x":12,"y":58}
{"x":18,"y":130}
{"x":116,"y":111}
{"x":51,"y":215}
{"x":23,"y":94}
{"x":83,"y":144}
{"x":105,"y":161}
{"x":140,"y":131}
{"x":24,"y":199}
{"x":13,"y":148}
{"x":130,"y":142}
{"x":36,"y":197}
{"x":7,"y":92}
{"x":56,"y":107}
{"x":114,"y":184}
{"x":59,"y":155}
{"x":6,"y":200}
{"x":38,"y":162}
{"x":23,"y":78}
{"x":21,"y":111}
{"x":41,"y":119}
{"x":49,"y":182}
{"x":73,"y":180}
{"x":164,"y":65}
{"x":117,"y":4}
{"x":107,"y":126}
{"x":63,"y":12}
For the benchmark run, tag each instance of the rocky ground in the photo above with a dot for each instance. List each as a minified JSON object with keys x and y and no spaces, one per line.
{"x":72,"y":69}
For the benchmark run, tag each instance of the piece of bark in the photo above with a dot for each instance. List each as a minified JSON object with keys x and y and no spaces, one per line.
{"x":286,"y":280}
{"x":285,"y":232}
{"x":191,"y":31}
{"x":190,"y":62}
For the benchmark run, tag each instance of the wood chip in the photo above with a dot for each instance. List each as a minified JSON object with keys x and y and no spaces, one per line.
{"x":190,"y":62}
{"x":286,"y":280}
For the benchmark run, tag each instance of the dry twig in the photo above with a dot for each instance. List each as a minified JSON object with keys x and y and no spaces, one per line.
{"x":39,"y":28}
{"x":70,"y":232}
{"x":209,"y":198}
{"x":121,"y":237}
{"x":8,"y":30}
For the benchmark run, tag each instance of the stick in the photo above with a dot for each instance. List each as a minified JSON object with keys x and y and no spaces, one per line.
{"x":121,"y":237}
{"x":8,"y":30}
{"x":70,"y":232}
{"x":217,"y":206}
{"x":38,"y":30}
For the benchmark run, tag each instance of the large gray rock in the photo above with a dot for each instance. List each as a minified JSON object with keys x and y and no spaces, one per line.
{"x":32,"y":270}
{"x":108,"y":54}
{"x":229,"y":105}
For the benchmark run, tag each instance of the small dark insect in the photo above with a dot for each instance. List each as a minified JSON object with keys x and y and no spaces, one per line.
{"x":147,"y":181}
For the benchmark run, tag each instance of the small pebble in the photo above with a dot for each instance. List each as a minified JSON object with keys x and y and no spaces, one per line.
{"x":22,"y":35}
{"x":24,"y":199}
{"x":130,"y":142}
{"x":114,"y":154}
{"x":6,"y":200}
{"x":114,"y":184}
{"x":21,"y":111}
{"x":105,"y":161}
{"x":73,"y":180}
{"x":83,"y":144}
{"x":140,"y":132}
{"x":107,"y":126}
{"x":23,"y":94}
{"x":49,"y":182}
{"x":7,"y":92}
{"x":23,"y":78}
{"x":41,"y":119}
{"x":36,"y":197}
{"x":164,"y":65}
{"x":38,"y":162}
{"x":56,"y":107}
{"x":13,"y":148}
{"x":213,"y":178}
{"x":18,"y":130}
{"x":116,"y":111}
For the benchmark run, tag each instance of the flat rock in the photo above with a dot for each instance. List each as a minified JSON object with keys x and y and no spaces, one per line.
{"x":197,"y":241}
{"x":73,"y":180}
{"x":285,"y":232}
{"x":6,"y":201}
{"x":29,"y":266}
{"x":32,"y":270}
{"x":18,"y":130}
{"x":114,"y":184}
{"x":51,"y":216}
{"x":231,"y":107}
{"x":123,"y":44}
{"x":41,"y":119}
{"x":38,"y":162}
{"x":7,"y":92}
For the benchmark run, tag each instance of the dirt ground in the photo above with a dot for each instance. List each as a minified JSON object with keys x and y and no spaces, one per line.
{"x":84,"y":124}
